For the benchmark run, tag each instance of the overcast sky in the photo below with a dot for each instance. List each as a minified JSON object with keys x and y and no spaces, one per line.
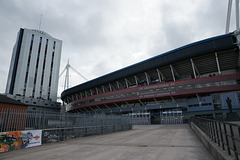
{"x":102,"y":36}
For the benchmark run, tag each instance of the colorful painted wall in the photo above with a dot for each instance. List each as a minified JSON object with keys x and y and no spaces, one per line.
{"x":19,"y":139}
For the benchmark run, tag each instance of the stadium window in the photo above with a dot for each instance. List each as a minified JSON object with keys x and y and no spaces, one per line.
{"x":193,"y":105}
{"x":206,"y":104}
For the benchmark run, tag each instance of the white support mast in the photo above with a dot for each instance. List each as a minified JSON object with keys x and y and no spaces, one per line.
{"x":229,"y":15}
{"x":66,"y":82}
{"x":237,"y":14}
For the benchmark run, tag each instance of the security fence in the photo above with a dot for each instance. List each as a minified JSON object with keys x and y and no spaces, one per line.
{"x":226,"y":135}
{"x":17,"y":120}
{"x":60,"y":134}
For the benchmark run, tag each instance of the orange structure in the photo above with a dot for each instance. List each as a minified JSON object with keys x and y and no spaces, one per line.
{"x":12,"y":114}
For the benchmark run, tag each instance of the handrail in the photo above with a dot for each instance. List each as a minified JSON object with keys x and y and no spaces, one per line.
{"x":225,"y":134}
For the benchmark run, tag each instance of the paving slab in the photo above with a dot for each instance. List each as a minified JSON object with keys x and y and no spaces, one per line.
{"x":150,"y":142}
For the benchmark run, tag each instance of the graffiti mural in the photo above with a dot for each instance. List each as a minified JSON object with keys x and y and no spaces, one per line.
{"x":19,"y":139}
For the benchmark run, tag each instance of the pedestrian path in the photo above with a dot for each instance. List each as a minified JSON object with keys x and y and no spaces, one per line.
{"x":149,"y":142}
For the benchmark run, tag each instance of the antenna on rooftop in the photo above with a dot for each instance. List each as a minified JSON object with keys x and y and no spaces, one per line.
{"x":40,"y":23}
{"x":229,"y":15}
{"x":66,"y":83}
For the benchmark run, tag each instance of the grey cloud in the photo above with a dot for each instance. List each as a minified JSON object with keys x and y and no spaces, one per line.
{"x":101,"y":36}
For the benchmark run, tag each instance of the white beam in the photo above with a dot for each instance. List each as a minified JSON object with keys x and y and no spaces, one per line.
{"x":118,"y":85}
{"x":97,"y":90}
{"x":110,"y":87}
{"x":218,"y":65}
{"x":199,"y":99}
{"x":228,"y":15}
{"x":147,"y":78}
{"x":103,"y":89}
{"x":172,"y":73}
{"x":159,"y":76}
{"x":141,"y":102}
{"x":126,"y":81}
{"x":237,"y":14}
{"x":117,"y":106}
{"x":78,"y":73}
{"x":136,"y":80}
{"x":193,"y":68}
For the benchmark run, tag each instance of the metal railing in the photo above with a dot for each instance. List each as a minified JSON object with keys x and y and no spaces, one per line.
{"x":19,"y":120}
{"x":226,"y":135}
{"x":60,"y":134}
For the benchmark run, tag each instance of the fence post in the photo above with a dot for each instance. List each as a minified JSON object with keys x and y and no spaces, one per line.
{"x":7,"y":118}
{"x":14,"y":120}
{"x":220,"y":130}
{"x":214,"y":132}
{"x":218,"y":139}
{"x":43,"y":121}
{"x":211,"y":130}
{"x":66,"y":118}
{"x":85,"y":131}
{"x":226,"y":136}
{"x":2,"y":119}
{"x":233,"y":142}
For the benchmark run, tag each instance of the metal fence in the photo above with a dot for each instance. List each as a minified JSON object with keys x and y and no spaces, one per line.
{"x":18,"y":120}
{"x":60,"y":134}
{"x":226,"y":135}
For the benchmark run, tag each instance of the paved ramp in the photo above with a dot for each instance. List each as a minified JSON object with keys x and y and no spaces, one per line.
{"x":153,"y":142}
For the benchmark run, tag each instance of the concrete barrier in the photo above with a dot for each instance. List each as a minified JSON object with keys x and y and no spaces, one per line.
{"x":217,"y":152}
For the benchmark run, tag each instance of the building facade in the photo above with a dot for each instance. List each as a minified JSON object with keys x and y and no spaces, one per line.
{"x":199,"y":79}
{"x":34,"y":68}
{"x":12,"y":114}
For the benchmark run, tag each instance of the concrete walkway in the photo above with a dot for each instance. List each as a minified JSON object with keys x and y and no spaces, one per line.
{"x":155,"y":142}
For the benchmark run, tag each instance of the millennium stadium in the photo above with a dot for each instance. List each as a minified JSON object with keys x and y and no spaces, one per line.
{"x":198,"y":79}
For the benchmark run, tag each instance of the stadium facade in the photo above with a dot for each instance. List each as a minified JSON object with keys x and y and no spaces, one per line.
{"x":201,"y":79}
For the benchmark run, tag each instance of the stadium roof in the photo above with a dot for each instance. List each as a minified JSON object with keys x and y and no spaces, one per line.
{"x":211,"y":45}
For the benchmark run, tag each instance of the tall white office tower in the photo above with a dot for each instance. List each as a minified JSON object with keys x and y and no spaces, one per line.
{"x":34,"y":68}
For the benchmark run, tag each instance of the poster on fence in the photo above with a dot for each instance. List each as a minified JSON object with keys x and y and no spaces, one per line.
{"x":19,"y":139}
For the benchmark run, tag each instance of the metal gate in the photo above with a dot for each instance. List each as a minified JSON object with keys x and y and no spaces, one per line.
{"x":171,"y":116}
{"x":140,"y":118}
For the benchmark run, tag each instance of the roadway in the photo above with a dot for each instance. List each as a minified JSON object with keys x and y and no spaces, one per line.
{"x":152,"y":142}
